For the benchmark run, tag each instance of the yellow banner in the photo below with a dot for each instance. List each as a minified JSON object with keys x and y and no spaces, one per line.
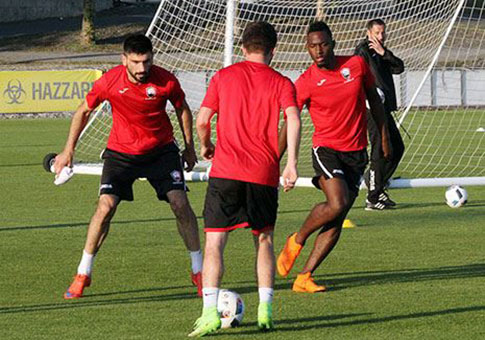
{"x":44,"y":91}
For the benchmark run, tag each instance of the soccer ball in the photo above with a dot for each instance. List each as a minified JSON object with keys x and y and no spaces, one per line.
{"x":231,"y":308}
{"x":456,"y":196}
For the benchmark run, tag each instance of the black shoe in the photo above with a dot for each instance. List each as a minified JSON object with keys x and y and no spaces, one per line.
{"x":375,"y":206}
{"x":384,"y":198}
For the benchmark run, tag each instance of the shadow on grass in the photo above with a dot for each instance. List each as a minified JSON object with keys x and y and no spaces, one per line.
{"x":87,"y":301}
{"x":338,"y":281}
{"x":285,"y":325}
{"x":83,"y":224}
{"x":356,"y":279}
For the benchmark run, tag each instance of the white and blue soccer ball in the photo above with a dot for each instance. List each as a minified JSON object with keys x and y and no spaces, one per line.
{"x":456,"y":196}
{"x":231,"y":308}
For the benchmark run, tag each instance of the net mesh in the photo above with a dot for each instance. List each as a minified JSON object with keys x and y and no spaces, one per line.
{"x":444,"y":117}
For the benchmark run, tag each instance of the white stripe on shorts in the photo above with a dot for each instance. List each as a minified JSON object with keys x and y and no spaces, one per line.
{"x":329,"y":174}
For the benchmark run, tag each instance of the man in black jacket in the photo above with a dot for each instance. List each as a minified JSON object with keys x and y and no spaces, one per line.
{"x":383,"y":65}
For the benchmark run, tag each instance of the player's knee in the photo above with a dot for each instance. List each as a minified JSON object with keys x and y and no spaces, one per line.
{"x":105,"y":212}
{"x":338,"y":206}
{"x":265,"y":239}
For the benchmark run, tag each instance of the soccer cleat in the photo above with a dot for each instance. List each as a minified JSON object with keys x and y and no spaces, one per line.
{"x":75,"y":290}
{"x":265,"y":316}
{"x":197,"y":281}
{"x":288,"y":255}
{"x":369,"y":206}
{"x":304,"y":284}
{"x":384,"y":198}
{"x":208,"y":323}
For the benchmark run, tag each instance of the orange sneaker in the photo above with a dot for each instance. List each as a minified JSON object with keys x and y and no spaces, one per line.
{"x":304,"y":284}
{"x":76,"y":288}
{"x":288,"y":255}
{"x":197,"y":281}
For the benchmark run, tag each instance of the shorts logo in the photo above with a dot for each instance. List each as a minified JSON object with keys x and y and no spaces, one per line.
{"x":177,"y":177}
{"x":151,"y":92}
{"x":105,"y":186}
{"x":338,"y":171}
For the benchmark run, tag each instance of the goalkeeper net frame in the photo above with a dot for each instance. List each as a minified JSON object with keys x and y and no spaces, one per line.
{"x":441,"y":94}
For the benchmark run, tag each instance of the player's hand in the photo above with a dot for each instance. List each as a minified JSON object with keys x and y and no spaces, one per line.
{"x":207,"y":151}
{"x":387,"y":151}
{"x":376,"y":46}
{"x":189,"y":158}
{"x":290,"y":175}
{"x":62,"y":160}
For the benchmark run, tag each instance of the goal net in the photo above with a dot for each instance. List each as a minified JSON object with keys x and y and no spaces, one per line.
{"x":441,"y":94}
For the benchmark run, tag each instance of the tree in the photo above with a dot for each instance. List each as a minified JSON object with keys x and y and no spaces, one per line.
{"x":87,"y":29}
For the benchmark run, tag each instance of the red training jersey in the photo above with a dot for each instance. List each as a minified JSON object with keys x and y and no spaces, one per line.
{"x":140,"y":122}
{"x":336,"y":102}
{"x":248,"y":98}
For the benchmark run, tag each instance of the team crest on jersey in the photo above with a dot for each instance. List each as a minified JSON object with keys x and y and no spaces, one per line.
{"x":345,"y":72}
{"x":176,"y":176}
{"x":151,"y":92}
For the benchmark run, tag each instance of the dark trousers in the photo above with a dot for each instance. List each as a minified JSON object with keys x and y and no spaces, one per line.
{"x":380,"y":170}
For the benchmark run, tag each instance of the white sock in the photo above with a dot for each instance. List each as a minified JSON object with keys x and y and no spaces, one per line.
{"x":266,"y":295}
{"x":196,"y":258}
{"x":86,"y":264}
{"x":209,"y":296}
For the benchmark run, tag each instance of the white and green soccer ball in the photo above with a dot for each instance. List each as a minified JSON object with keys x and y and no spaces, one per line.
{"x":456,"y":196}
{"x":231,"y":308}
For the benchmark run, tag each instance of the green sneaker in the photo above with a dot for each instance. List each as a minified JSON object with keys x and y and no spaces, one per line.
{"x":208,"y":323}
{"x":265,"y":316}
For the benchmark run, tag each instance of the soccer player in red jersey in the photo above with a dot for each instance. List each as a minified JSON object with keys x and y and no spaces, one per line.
{"x":140,"y":145}
{"x":334,"y":90}
{"x":243,"y":185}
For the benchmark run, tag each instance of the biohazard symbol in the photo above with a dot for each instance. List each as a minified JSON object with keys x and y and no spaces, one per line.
{"x":14,"y":92}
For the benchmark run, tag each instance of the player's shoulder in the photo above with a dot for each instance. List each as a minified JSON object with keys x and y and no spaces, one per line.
{"x":115,"y":72}
{"x":353,"y":62}
{"x":306,"y":75}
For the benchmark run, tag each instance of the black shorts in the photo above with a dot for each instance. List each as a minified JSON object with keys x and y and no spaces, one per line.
{"x":161,"y":167}
{"x":231,"y":204}
{"x":349,"y":166}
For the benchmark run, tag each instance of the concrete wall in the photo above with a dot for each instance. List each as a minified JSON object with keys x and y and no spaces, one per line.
{"x":22,"y":10}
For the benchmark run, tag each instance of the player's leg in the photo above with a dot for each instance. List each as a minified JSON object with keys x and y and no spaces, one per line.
{"x":323,"y":245}
{"x":165,"y":174}
{"x":335,"y":190}
{"x":189,"y":231}
{"x":185,"y":217}
{"x":265,"y":271}
{"x":222,"y":213}
{"x":97,"y":231}
{"x":212,"y":271}
{"x":329,"y":170}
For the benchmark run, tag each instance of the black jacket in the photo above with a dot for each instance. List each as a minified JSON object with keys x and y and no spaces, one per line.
{"x":383,"y":67}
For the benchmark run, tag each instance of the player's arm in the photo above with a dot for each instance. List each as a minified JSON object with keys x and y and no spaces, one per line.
{"x":293,"y":129}
{"x":203,"y":126}
{"x":78,"y":122}
{"x":282,"y":139}
{"x":185,"y":119}
{"x":378,"y":113}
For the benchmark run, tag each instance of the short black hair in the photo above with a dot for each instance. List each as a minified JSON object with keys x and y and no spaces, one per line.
{"x":137,"y":43}
{"x":375,"y":22}
{"x":319,"y":26}
{"x":259,"y":36}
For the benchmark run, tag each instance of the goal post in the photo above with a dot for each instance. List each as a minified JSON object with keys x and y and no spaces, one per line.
{"x":441,"y":94}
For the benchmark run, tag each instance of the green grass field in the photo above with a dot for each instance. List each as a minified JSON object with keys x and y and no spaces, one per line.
{"x":414,"y":273}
